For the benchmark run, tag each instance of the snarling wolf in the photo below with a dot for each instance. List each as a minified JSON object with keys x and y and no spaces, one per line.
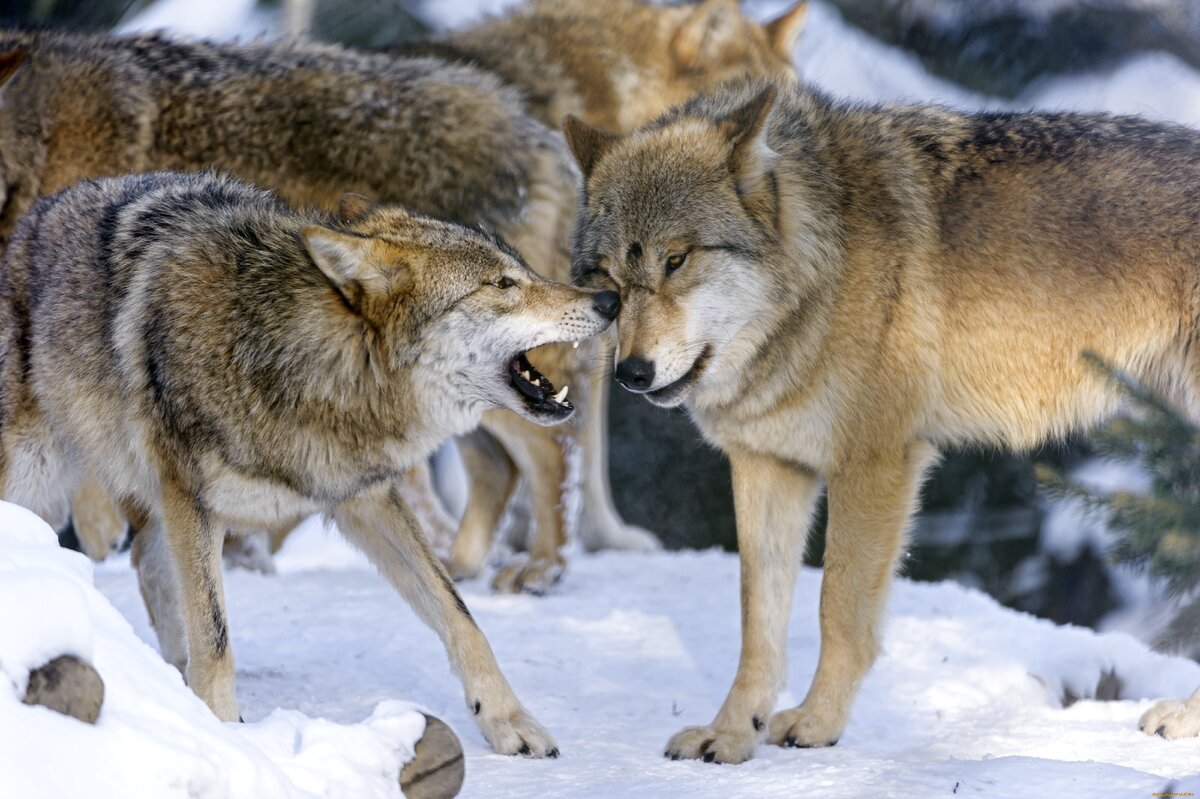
{"x":834,"y":292}
{"x":223,"y":363}
{"x":618,"y":64}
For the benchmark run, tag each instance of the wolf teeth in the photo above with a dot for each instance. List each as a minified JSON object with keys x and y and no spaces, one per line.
{"x":574,"y":345}
{"x":561,"y":395}
{"x":526,"y":376}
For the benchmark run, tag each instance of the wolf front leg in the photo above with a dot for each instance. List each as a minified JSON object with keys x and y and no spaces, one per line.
{"x":870,"y":503}
{"x":382,"y":525}
{"x":195,"y":547}
{"x":774,"y":502}
{"x":1172,"y":718}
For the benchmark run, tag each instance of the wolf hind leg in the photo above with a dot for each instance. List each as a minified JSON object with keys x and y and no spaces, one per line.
{"x":97,"y":519}
{"x":492,"y":478}
{"x":540,"y":453}
{"x":600,"y":524}
{"x":417,"y":487}
{"x":381,"y":524}
{"x":159,"y":586}
{"x":37,"y":474}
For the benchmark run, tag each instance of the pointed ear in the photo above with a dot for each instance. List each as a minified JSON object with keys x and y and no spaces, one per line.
{"x":348,"y":261}
{"x":745,"y":127}
{"x":354,"y":207}
{"x":784,"y":31}
{"x":703,"y":30}
{"x":10,"y":61}
{"x":587,"y":143}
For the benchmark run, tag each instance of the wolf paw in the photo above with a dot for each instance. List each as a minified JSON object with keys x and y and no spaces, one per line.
{"x":517,"y":734}
{"x":804,"y":728}
{"x":528,"y":576}
{"x":712,"y":745}
{"x":251,"y":552}
{"x":618,"y":535}
{"x":458,"y":570}
{"x":1172,"y":719}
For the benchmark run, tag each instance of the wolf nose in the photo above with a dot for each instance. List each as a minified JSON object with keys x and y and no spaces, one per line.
{"x":635,"y":374}
{"x":607,"y":304}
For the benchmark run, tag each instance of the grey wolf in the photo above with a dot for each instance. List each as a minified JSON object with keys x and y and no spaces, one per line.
{"x":834,"y":292}
{"x":222,"y":363}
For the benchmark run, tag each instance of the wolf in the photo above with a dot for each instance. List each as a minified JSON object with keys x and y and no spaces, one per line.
{"x":222,"y":362}
{"x":835,"y":292}
{"x":617,"y":64}
{"x":306,"y":119}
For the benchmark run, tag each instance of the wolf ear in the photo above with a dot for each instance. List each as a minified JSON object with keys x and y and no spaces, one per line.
{"x":745,"y":129}
{"x":706,"y":29}
{"x":354,"y":207}
{"x":587,"y":143}
{"x":348,"y":261}
{"x":10,"y":62}
{"x":784,"y":31}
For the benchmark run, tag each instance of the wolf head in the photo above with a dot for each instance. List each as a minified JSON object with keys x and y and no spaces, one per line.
{"x":683,"y":219}
{"x":455,"y":307}
{"x":668,"y":54}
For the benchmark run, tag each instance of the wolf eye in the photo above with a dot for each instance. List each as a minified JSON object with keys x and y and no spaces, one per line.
{"x":675,"y":260}
{"x":504,"y":283}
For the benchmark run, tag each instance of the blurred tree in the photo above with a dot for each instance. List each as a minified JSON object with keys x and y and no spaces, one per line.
{"x":1159,"y":531}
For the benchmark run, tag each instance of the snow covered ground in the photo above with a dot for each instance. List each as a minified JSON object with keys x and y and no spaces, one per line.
{"x":154,"y":738}
{"x":634,"y":647}
{"x":965,"y":701}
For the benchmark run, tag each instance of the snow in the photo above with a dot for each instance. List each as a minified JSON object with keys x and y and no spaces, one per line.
{"x":965,"y":700}
{"x":154,"y":738}
{"x":635,"y":646}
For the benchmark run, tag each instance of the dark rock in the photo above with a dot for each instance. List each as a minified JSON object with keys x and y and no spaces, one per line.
{"x":437,"y":769}
{"x":68,"y":685}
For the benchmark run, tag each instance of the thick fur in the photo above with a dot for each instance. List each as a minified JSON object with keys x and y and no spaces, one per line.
{"x":311,"y":121}
{"x":222,"y":363}
{"x":836,"y":291}
{"x":617,"y":64}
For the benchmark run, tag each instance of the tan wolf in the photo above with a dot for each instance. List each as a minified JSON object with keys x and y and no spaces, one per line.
{"x":221,"y":362}
{"x":835,"y":291}
{"x":618,"y":64}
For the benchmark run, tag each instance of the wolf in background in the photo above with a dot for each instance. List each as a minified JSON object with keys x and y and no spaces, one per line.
{"x":836,"y":291}
{"x":224,"y":363}
{"x":616,"y":64}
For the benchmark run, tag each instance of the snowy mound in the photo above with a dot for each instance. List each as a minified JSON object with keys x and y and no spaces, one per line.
{"x":154,"y":738}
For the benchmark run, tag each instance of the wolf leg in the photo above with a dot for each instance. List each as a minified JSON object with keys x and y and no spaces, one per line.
{"x":870,"y":504}
{"x":418,"y":490}
{"x":195,"y":547}
{"x":1173,"y":719}
{"x":381,"y":524}
{"x":492,"y":476}
{"x":774,"y":502}
{"x":36,"y":475}
{"x":600,"y":525}
{"x":540,"y":455}
{"x":159,"y":586}
{"x":98,"y":521}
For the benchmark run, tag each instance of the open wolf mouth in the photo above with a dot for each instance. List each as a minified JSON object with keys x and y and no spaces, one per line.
{"x":537,"y":391}
{"x":669,"y":394}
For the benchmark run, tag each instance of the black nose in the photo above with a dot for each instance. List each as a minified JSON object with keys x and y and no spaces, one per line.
{"x":635,"y":374}
{"x":607,"y":304}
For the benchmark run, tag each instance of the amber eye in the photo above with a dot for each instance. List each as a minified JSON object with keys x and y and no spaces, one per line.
{"x":675,"y":261}
{"x":505,"y":283}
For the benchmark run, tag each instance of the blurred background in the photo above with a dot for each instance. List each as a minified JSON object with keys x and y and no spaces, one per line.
{"x":985,"y":520}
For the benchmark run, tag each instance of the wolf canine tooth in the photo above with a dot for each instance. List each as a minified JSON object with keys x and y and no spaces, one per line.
{"x":561,"y":395}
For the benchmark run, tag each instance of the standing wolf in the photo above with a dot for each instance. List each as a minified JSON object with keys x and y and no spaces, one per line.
{"x":450,"y":135}
{"x":224,"y":363}
{"x":835,"y":291}
{"x":619,"y":64}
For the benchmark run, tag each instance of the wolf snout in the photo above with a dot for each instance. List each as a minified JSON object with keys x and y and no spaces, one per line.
{"x":607,"y":304}
{"x":635,"y":374}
